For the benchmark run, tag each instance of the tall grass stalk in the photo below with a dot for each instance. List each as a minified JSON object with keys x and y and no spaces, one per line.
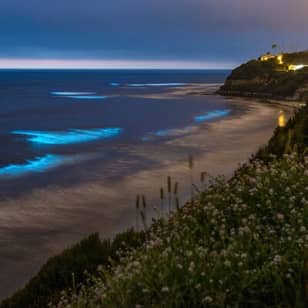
{"x":175,"y":192}
{"x":191,"y":167}
{"x":177,"y":203}
{"x":137,"y":212}
{"x":144,"y":212}
{"x":203,"y":176}
{"x":74,"y":283}
{"x":169,"y":186}
{"x":162,"y":202}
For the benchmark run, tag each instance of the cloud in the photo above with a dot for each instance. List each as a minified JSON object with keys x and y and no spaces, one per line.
{"x":173,"y":29}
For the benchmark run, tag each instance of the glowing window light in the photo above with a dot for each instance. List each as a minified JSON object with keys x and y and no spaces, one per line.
{"x":69,"y":137}
{"x":212,"y":115}
{"x":38,"y":164}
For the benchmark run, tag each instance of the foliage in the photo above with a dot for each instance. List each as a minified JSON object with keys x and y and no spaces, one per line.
{"x":70,"y":268}
{"x":285,"y":139}
{"x":242,"y":244}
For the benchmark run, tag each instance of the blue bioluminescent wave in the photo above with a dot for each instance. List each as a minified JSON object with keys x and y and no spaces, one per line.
{"x":176,"y":132}
{"x":115,"y":84}
{"x":41,"y":164}
{"x":87,"y":97}
{"x":172,"y":84}
{"x":212,"y":115}
{"x":172,"y":132}
{"x":163,"y":132}
{"x":69,"y":137}
{"x":80,"y":95}
{"x":38,"y":164}
{"x":67,"y":93}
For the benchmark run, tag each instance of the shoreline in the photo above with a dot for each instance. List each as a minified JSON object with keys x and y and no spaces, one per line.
{"x":253,"y":97}
{"x":283,"y":103}
{"x":223,"y":158}
{"x":262,"y":99}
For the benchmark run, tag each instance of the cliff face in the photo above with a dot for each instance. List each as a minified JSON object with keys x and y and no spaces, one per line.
{"x":269,"y":79}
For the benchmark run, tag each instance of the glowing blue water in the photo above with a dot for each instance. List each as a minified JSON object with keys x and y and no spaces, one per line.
{"x":159,"y":133}
{"x":172,"y":132}
{"x":212,"y":115}
{"x":172,"y":84}
{"x":57,"y":93}
{"x":39,"y":164}
{"x":115,"y":84}
{"x":163,"y":132}
{"x":79,"y":95}
{"x":49,"y":116}
{"x":87,"y":97}
{"x":69,"y":137}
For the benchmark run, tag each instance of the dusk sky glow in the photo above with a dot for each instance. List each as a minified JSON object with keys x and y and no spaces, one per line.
{"x":146,"y":34}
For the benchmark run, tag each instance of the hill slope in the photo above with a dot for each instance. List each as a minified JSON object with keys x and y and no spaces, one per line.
{"x":242,"y":244}
{"x":270,"y":79}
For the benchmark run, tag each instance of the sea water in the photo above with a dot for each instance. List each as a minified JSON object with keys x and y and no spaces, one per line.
{"x":50,"y":119}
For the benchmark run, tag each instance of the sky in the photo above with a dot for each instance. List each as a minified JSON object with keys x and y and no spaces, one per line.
{"x":147,"y":33}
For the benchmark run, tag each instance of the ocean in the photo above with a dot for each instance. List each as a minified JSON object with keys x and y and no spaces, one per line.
{"x":76,"y":147}
{"x":56,"y":121}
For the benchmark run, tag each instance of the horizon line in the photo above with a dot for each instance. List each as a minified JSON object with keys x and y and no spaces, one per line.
{"x":93,"y":64}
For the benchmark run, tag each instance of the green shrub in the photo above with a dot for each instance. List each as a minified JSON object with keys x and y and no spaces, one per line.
{"x":71,"y":268}
{"x":285,"y":138}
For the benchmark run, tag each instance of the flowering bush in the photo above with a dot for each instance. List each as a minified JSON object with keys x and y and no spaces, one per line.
{"x":242,"y":243}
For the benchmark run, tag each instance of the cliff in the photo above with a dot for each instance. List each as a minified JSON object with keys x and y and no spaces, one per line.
{"x":286,"y":79}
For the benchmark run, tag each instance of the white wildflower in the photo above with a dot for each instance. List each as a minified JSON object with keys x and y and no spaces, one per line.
{"x":208,"y":299}
{"x":227,"y":263}
{"x":165,"y":289}
{"x":280,"y":216}
{"x":277,"y":259}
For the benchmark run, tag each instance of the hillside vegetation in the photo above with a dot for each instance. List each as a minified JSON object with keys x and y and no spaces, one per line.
{"x":243,"y":243}
{"x":270,"y":79}
{"x":294,"y":136}
{"x":70,"y":268}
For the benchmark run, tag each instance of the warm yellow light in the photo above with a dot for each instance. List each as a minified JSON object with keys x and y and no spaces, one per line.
{"x":293,"y":67}
{"x":267,"y":57}
{"x":280,"y":59}
{"x":281,"y":119}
